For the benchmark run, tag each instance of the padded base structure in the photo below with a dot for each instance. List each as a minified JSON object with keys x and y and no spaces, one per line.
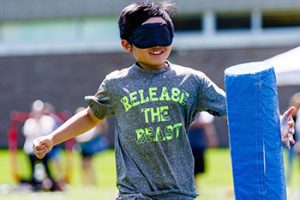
{"x":254,"y":132}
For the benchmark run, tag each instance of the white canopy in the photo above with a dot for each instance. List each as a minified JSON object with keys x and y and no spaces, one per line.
{"x":287,"y":67}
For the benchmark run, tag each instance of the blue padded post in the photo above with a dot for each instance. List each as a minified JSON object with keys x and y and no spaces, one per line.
{"x":254,"y":132}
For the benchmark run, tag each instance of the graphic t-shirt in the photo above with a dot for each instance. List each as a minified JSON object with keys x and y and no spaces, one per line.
{"x":153,"y":109}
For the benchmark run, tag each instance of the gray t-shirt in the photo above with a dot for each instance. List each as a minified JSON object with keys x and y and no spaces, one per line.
{"x":153,"y":110}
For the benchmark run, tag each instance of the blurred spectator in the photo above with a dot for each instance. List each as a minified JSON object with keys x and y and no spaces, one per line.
{"x":91,"y":143}
{"x":36,"y":125}
{"x":54,"y":154}
{"x":201,"y":134}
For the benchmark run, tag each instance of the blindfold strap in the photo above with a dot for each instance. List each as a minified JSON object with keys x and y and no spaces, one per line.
{"x":152,"y":34}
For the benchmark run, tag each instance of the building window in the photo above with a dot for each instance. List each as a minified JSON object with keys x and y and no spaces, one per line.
{"x":281,"y":19}
{"x":188,"y":23}
{"x":233,"y":21}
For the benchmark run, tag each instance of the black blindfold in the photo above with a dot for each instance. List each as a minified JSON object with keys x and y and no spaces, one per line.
{"x":151,"y":35}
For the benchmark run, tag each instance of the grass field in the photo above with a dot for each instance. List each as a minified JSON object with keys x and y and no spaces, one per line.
{"x":214,"y":185}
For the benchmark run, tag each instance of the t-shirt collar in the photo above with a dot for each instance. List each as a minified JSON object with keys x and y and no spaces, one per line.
{"x":150,"y":71}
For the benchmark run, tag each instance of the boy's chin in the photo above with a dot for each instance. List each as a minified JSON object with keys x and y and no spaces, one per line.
{"x":153,"y":65}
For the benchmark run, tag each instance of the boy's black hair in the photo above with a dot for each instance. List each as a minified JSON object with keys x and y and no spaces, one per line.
{"x":135,"y":14}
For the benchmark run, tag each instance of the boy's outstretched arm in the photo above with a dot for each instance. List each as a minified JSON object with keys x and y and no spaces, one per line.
{"x":76,"y":125}
{"x":287,"y":125}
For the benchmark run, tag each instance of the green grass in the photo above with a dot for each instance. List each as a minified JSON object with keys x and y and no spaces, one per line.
{"x":106,"y":176}
{"x":216,"y":183}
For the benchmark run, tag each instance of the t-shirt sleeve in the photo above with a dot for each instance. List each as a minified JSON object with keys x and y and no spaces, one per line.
{"x":211,"y":98}
{"x":101,"y":102}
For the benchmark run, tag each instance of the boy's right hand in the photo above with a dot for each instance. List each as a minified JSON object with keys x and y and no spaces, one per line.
{"x":41,"y":146}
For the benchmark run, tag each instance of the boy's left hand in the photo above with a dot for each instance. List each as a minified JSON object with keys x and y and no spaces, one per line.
{"x":287,"y":125}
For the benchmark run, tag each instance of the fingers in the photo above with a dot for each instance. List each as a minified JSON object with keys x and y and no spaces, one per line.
{"x":289,"y":112}
{"x":287,"y":144}
{"x":287,"y":127}
{"x":291,"y":131}
{"x":40,"y":148}
{"x":40,"y":153}
{"x":291,"y":140}
{"x":288,"y":138}
{"x":291,"y":134}
{"x":291,"y":125}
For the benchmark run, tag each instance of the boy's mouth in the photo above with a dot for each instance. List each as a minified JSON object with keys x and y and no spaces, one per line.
{"x":156,"y":52}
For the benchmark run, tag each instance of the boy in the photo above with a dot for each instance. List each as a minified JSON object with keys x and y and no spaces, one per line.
{"x":154,"y":101}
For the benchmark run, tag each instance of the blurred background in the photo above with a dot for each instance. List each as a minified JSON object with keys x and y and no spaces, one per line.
{"x":60,"y":50}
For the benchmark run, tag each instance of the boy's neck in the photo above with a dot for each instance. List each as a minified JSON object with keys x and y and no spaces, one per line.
{"x":153,"y":68}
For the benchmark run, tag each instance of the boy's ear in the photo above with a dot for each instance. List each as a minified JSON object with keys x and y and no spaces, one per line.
{"x":126,"y":45}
